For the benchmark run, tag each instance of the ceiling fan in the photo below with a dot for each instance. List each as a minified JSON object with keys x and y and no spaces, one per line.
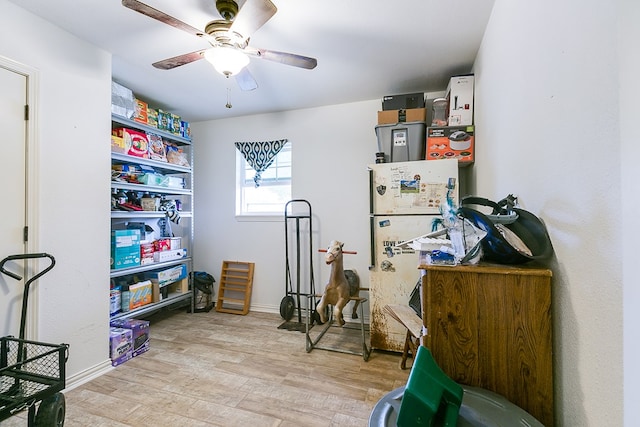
{"x":229,"y":38}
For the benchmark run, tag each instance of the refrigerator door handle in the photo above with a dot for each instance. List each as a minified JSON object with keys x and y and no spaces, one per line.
{"x":372,"y":248}
{"x":371,"y":193}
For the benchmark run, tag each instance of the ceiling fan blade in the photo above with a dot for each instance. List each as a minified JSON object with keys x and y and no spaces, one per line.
{"x":164,"y":18}
{"x":284,"y":58}
{"x":253,"y":15}
{"x":245,"y":80}
{"x":176,"y":61}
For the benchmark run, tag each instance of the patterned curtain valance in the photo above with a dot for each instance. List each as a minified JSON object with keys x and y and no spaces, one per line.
{"x":260,"y":155}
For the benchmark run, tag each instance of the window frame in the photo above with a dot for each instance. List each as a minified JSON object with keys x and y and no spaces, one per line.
{"x":244,"y":181}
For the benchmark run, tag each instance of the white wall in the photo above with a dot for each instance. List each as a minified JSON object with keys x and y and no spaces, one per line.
{"x":331,"y":149}
{"x":72,"y":114}
{"x":548,"y":131}
{"x":629,"y":57}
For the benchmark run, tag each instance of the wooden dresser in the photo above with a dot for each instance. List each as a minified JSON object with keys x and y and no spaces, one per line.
{"x":490,"y":326}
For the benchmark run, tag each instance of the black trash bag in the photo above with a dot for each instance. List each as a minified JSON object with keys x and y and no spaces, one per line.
{"x":514,"y":235}
{"x":203,"y":282}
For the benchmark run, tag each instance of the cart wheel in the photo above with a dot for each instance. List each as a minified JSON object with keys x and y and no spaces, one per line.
{"x":51,"y":411}
{"x":287,"y":307}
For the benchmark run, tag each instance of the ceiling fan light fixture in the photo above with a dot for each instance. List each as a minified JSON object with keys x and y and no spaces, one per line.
{"x":227,"y":61}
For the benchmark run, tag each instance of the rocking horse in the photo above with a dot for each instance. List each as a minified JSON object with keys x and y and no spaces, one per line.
{"x":343,"y":284}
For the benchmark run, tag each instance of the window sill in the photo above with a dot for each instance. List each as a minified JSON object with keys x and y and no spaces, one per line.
{"x":260,"y":218}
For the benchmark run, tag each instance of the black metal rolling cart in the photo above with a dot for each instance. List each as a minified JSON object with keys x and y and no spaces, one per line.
{"x":31,"y":371}
{"x":297,"y":214}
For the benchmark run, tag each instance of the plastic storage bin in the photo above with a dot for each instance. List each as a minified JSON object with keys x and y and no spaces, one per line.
{"x":402,"y":142}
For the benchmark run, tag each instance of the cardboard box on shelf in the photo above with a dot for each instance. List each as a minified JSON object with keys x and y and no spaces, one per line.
{"x":176,"y":288}
{"x":169,"y":255}
{"x":152,"y":117}
{"x":459,"y":95}
{"x":162,"y":244}
{"x":169,"y":275}
{"x":451,"y":142}
{"x":140,"y":294}
{"x":399,"y":102}
{"x":185,"y":129}
{"x":140,"y":111}
{"x":176,"y":243}
{"x":136,"y":142}
{"x":164,"y":120}
{"x":118,"y":145}
{"x":390,"y":117}
{"x":146,"y":253}
{"x":125,"y":248}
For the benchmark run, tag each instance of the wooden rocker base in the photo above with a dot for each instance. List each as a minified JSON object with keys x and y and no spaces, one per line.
{"x":313,"y":343}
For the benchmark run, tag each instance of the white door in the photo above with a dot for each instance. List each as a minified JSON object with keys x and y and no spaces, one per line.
{"x":13,"y":99}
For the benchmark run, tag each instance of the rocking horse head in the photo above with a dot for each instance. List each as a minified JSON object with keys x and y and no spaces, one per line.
{"x":334,"y":251}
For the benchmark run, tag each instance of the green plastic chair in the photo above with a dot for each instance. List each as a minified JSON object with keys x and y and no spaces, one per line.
{"x":430,"y":398}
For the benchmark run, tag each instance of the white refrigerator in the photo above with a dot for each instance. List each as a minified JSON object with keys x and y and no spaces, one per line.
{"x":405,"y":198}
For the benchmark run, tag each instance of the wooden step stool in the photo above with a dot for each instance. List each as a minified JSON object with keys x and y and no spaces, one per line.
{"x":234,"y":293}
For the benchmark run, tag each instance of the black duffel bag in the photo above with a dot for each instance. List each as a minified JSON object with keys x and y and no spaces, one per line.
{"x":514,"y":235}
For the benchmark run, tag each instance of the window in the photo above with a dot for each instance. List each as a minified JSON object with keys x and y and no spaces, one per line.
{"x":274,"y":190}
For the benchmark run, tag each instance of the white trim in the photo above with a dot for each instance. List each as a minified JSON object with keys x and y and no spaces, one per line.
{"x":87,"y":375}
{"x":32,"y":177}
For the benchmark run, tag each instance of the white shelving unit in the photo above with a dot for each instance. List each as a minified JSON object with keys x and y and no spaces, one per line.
{"x":184,"y":230}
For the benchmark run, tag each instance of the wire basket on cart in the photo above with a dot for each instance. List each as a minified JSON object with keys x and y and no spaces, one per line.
{"x":32,"y":371}
{"x":29,"y":372}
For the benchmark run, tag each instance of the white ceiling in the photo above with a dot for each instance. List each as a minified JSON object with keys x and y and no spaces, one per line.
{"x":365,"y":49}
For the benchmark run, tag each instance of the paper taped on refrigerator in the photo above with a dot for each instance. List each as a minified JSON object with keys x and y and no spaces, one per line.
{"x":409,"y":188}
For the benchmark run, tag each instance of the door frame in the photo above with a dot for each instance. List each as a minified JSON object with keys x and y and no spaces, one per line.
{"x":32,"y":169}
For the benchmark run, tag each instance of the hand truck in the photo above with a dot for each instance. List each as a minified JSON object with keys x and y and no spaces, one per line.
{"x":31,"y":371}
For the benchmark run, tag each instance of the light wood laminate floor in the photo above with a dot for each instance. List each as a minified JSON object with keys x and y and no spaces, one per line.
{"x":220,"y":369}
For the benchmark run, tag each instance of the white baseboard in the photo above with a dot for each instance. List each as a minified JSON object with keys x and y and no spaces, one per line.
{"x":88,"y":374}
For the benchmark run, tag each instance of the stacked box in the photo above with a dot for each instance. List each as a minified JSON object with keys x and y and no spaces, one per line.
{"x":114,"y":301}
{"x":152,"y":117}
{"x":125,"y":248}
{"x":169,"y":275}
{"x":146,"y":253}
{"x":139,"y":333}
{"x":169,"y":255}
{"x":179,"y":287}
{"x":140,"y":111}
{"x":391,"y":117}
{"x":459,"y":95}
{"x":176,"y":243}
{"x":164,"y":120}
{"x":175,"y":125}
{"x":451,"y":142}
{"x":156,"y":147}
{"x":136,"y":142}
{"x":118,"y":145}
{"x":120,"y":345}
{"x":185,"y":129}
{"x":162,"y":244}
{"x":140,"y":294}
